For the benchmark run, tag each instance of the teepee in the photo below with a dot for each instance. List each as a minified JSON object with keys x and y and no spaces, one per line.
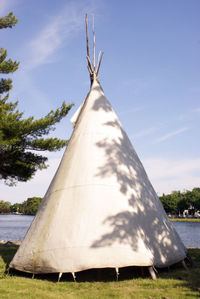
{"x":100,"y":210}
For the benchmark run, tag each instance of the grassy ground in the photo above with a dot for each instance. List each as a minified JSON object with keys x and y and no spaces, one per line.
{"x":185,"y":219}
{"x":172,"y":284}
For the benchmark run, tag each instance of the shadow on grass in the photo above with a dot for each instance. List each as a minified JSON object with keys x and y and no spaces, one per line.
{"x":190,"y":278}
{"x":177,"y":276}
{"x":6,"y":253}
{"x":90,"y":275}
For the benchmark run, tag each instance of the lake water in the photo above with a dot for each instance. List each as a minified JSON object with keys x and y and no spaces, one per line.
{"x":189,"y":233}
{"x":14,"y":228}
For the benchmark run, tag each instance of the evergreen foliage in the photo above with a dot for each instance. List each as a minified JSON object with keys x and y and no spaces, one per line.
{"x":20,"y":138}
{"x":8,"y":21}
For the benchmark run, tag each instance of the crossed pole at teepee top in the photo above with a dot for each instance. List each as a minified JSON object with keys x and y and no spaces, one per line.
{"x":93,"y":70}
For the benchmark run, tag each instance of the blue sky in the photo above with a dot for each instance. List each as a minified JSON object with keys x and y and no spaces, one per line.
{"x":150,"y":73}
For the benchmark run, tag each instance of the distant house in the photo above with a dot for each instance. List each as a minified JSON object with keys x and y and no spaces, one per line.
{"x":191,"y":212}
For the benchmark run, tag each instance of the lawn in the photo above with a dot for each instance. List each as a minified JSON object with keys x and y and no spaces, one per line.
{"x":173,"y":283}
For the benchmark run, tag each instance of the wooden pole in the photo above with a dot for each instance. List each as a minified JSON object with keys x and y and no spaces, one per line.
{"x":87,"y":41}
{"x":89,"y":64}
{"x":93,"y":43}
{"x":99,"y":63}
{"x":98,"y":58}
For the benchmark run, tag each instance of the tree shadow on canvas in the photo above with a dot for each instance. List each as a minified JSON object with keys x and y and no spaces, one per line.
{"x":144,"y":219}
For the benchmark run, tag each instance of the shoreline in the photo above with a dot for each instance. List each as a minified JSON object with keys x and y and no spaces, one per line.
{"x":184,"y":219}
{"x":171,"y":219}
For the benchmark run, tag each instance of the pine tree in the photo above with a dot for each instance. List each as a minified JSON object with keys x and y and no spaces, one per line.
{"x":22,"y":138}
{"x":8,"y":21}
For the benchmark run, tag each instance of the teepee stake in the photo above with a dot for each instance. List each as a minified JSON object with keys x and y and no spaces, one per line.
{"x":184,"y":265}
{"x":117,"y":273}
{"x":59,"y":276}
{"x":152,"y":273}
{"x":74,"y":276}
{"x":190,"y":260}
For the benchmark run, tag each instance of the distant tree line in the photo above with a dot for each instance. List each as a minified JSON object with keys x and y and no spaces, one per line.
{"x":28,"y":207}
{"x":177,"y":202}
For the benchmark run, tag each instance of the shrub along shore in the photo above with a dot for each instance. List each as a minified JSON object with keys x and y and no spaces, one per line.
{"x":175,"y":283}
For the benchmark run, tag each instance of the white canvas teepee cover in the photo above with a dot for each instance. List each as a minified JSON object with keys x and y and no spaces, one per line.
{"x":100,"y":209}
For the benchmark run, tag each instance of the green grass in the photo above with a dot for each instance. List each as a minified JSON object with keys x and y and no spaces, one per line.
{"x":185,"y":219}
{"x":173,"y":284}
